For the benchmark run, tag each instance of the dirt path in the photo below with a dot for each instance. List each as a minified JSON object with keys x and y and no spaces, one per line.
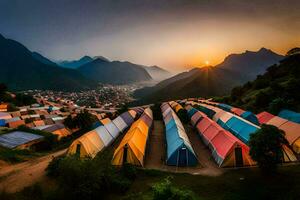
{"x":156,"y":149}
{"x":15,"y":177}
{"x":156,"y":153}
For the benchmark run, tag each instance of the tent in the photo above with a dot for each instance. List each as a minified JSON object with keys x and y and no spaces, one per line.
{"x":19,"y":139}
{"x":242,"y":129}
{"x":290,"y":115}
{"x":5,"y":115}
{"x":105,"y":121}
{"x":225,"y":107}
{"x":179,"y":148}
{"x":58,"y":129}
{"x":195,"y":118}
{"x":132,"y":148}
{"x":264,"y":117}
{"x":120,"y":123}
{"x":291,"y":129}
{"x":105,"y":136}
{"x":206,"y":109}
{"x":94,"y":141}
{"x":226,"y":150}
{"x":237,"y":111}
{"x":112,"y":129}
{"x":16,"y":124}
{"x":2,"y":122}
{"x":250,"y":117}
{"x":87,"y":145}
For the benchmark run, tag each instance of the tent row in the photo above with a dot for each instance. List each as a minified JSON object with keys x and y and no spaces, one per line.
{"x":241,"y":128}
{"x":226,"y":149}
{"x":175,"y":106}
{"x":291,"y":129}
{"x":290,"y":115}
{"x":179,"y":149}
{"x":132,"y":148}
{"x":97,"y":139}
{"x":247,"y":115}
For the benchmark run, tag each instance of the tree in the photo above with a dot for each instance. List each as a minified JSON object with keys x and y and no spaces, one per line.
{"x":165,"y":190}
{"x":266,"y":147}
{"x":84,"y":120}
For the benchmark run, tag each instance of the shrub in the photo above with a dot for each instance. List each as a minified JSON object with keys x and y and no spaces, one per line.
{"x":90,"y":178}
{"x":266,"y":147}
{"x":164,"y":190}
{"x":83,"y":120}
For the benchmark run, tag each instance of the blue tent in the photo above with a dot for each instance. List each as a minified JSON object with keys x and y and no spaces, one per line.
{"x":250,"y":117}
{"x":191,"y":112}
{"x":210,"y":113}
{"x":179,"y":151}
{"x":2,"y":122}
{"x":240,"y":128}
{"x":225,"y":107}
{"x":290,"y":115}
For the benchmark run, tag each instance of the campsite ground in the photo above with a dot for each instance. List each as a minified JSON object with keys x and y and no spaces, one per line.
{"x":156,"y":153}
{"x":16,"y":177}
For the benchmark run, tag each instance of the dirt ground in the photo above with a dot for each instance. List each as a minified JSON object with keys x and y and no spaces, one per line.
{"x":15,"y":177}
{"x":155,"y":157}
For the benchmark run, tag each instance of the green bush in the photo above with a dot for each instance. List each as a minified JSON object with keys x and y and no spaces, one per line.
{"x":49,"y":142}
{"x":90,"y":178}
{"x":13,"y":155}
{"x":83,"y":120}
{"x":165,"y":190}
{"x":266,"y":147}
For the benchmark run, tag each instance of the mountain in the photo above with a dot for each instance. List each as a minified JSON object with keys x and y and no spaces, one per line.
{"x":276,"y":89}
{"x":157,"y":73}
{"x":206,"y":81}
{"x":251,"y":63}
{"x":20,"y":70}
{"x":76,"y":63}
{"x":42,"y":59}
{"x":210,"y":81}
{"x":114,"y":72}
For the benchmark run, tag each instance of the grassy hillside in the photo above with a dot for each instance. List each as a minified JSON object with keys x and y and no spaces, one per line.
{"x":278,"y":88}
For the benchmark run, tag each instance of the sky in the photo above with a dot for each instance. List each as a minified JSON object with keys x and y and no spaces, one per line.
{"x":173,"y":34}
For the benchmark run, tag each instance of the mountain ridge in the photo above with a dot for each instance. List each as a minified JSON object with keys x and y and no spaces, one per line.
{"x":21,"y":71}
{"x":188,"y":84}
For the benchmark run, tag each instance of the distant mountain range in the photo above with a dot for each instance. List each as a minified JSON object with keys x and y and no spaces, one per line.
{"x":21,"y":69}
{"x":156,"y":73}
{"x":74,"y":64}
{"x":251,"y":63}
{"x":210,"y":81}
{"x":114,"y":72}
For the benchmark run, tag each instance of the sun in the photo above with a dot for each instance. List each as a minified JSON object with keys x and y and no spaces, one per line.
{"x":206,"y":62}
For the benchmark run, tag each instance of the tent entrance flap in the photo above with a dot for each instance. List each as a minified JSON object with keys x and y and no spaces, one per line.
{"x":238,"y":157}
{"x":78,"y":147}
{"x":183,"y":155}
{"x":125,"y":154}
